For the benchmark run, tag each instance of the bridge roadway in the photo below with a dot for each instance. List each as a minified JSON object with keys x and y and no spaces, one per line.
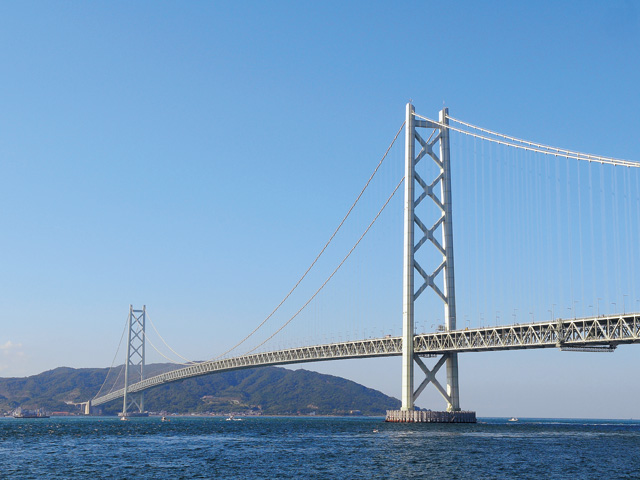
{"x":592,"y":334}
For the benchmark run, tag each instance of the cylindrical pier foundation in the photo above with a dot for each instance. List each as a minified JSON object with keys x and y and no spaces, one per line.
{"x":427,"y":416}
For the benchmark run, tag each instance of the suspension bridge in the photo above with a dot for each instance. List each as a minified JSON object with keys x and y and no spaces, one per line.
{"x":429,"y":227}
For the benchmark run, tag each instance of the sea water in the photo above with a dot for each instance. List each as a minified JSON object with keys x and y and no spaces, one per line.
{"x":316,"y":448}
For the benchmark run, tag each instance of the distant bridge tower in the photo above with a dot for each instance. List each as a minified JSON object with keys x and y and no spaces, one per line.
{"x":444,"y":246}
{"x":134,"y":365}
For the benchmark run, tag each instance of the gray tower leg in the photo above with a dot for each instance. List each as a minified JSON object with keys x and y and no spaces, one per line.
{"x":134,"y":365}
{"x":414,"y":182}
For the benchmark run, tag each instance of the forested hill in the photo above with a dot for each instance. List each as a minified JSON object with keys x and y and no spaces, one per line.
{"x":265,"y":390}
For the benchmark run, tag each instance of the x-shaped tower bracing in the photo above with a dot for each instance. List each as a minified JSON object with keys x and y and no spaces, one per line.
{"x":439,"y":135}
{"x":135,"y":359}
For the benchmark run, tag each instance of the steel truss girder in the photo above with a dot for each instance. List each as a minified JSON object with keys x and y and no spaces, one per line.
{"x":591,"y":331}
{"x":581,"y":332}
{"x":377,"y":347}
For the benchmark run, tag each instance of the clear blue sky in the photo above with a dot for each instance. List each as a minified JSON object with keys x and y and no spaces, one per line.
{"x":194,"y":157}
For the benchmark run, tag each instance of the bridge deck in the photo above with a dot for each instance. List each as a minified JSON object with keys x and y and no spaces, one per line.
{"x":582,"y":332}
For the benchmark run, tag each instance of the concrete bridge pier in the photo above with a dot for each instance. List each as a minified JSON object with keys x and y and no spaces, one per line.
{"x":85,"y":407}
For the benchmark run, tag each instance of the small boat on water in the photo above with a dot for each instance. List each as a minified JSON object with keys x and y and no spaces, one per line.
{"x":20,"y":413}
{"x":164,"y":419}
{"x":128,"y":415}
{"x":513,"y":419}
{"x":233,"y":419}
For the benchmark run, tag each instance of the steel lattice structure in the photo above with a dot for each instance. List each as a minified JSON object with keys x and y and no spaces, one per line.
{"x":438,"y":140}
{"x":592,"y":334}
{"x":135,"y":360}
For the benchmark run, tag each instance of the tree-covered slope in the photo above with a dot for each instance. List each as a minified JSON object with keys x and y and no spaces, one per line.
{"x":266,"y":390}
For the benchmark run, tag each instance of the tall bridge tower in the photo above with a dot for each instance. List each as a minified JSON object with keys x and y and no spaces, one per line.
{"x":134,"y":365}
{"x":442,"y":199}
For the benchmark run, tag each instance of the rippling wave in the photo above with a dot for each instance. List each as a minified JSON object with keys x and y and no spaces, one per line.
{"x":316,"y":448}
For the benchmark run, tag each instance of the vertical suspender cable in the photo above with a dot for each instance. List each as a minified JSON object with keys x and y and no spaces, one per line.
{"x":558,"y":270}
{"x":616,"y":239}
{"x":491,"y":227}
{"x":485,"y":220}
{"x":500,"y":232}
{"x":631,"y":265}
{"x":474,"y":310}
{"x":525,"y":235}
{"x":594,"y":294}
{"x":508,"y":239}
{"x":541,"y":233}
{"x":636,"y":238}
{"x":520,"y":237}
{"x":581,"y":243}
{"x":548,"y":234}
{"x":570,"y":237}
{"x":604,"y":247}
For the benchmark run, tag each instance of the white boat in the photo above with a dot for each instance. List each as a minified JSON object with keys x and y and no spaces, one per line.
{"x":233,"y":419}
{"x":164,"y":419}
{"x":20,"y":413}
{"x":513,"y":419}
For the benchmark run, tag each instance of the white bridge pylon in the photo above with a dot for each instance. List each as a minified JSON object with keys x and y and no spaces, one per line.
{"x":428,"y":188}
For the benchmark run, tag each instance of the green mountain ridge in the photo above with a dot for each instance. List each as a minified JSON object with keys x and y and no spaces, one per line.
{"x":265,"y":390}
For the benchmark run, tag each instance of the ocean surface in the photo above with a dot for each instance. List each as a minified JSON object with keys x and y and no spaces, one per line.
{"x":316,"y":448}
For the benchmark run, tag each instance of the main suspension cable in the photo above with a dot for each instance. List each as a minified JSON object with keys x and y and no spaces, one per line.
{"x":532,"y":146}
{"x":332,"y":273}
{"x":189,"y":362}
{"x":163,"y":355}
{"x":319,"y":254}
{"x":114,"y":360}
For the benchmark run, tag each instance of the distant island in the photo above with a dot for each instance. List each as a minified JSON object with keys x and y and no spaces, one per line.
{"x":256,"y":391}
